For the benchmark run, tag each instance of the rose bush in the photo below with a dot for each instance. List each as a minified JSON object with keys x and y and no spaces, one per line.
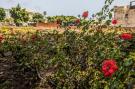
{"x":88,"y":60}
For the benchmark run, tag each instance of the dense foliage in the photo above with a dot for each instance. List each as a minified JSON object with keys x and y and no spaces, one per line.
{"x":37,"y":17}
{"x":62,"y":17}
{"x":2,"y":14}
{"x":94,"y":58}
{"x":19,"y":15}
{"x":88,"y":60}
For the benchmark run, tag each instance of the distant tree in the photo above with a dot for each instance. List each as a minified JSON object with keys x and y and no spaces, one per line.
{"x":37,"y":17}
{"x":61,"y":17}
{"x":19,"y":15}
{"x":2,"y":14}
{"x":106,"y":13}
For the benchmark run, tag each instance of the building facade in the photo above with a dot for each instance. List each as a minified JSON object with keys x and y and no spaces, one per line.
{"x":125,"y":15}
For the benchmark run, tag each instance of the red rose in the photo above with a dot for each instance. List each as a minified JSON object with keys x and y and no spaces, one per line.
{"x":77,"y":21}
{"x":85,"y":14}
{"x":126,"y":36}
{"x":114,"y":21}
{"x":33,"y":37}
{"x":109,"y":67}
{"x":59,"y":21}
{"x":1,"y":38}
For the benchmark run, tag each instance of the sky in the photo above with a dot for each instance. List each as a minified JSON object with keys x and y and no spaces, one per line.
{"x":61,"y":7}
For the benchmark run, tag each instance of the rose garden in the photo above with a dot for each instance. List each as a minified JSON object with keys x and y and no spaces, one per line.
{"x":100,"y":56}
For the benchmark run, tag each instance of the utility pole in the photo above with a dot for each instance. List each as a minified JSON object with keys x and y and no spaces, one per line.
{"x":45,"y":13}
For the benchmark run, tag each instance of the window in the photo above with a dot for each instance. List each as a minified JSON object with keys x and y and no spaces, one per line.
{"x":126,"y":16}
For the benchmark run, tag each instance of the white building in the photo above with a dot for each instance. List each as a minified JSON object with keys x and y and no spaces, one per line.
{"x":7,"y":13}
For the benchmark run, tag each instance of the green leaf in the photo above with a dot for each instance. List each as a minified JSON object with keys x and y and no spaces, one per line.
{"x":128,"y":62}
{"x":106,"y":87}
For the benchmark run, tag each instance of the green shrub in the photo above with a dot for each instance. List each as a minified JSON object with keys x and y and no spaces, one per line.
{"x":75,"y":59}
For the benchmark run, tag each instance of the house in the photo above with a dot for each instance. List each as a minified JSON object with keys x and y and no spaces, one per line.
{"x":7,"y":11}
{"x":125,"y":15}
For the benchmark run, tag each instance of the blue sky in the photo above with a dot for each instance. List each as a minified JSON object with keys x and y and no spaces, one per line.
{"x":61,"y":7}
